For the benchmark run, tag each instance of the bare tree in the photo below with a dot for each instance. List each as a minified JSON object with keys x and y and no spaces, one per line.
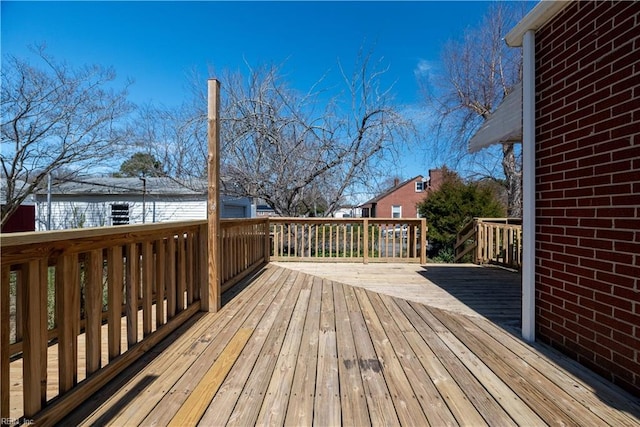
{"x":55,"y":118}
{"x":478,"y":72}
{"x":283,"y":146}
{"x":303,"y":153}
{"x":176,"y":137}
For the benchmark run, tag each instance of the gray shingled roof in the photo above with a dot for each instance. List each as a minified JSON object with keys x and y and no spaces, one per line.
{"x":158,"y":186}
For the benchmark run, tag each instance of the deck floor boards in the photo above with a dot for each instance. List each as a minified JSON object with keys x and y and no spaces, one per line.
{"x":304,"y":348}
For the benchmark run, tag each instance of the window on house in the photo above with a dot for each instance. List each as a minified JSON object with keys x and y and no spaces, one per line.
{"x":420,"y":186}
{"x":119,"y":214}
{"x":396,"y":211}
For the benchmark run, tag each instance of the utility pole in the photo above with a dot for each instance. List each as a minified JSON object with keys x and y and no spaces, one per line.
{"x":144,"y":192}
{"x":49,"y":201}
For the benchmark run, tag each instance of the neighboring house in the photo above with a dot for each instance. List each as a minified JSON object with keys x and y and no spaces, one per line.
{"x":401,"y":200}
{"x":263,"y":209}
{"x":580,"y":128}
{"x":23,"y":219}
{"x":348,"y":212}
{"x":96,"y":202}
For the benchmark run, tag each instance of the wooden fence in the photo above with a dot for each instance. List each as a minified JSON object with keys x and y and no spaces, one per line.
{"x":348,"y":240}
{"x":491,"y":240}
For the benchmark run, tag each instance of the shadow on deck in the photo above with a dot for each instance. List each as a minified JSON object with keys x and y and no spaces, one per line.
{"x":297,"y":348}
{"x":492,"y":292}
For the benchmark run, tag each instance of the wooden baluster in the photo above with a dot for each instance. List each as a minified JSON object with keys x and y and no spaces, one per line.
{"x":240,"y":237}
{"x":189,"y":267}
{"x":18,"y":306}
{"x":181,"y":281}
{"x":160,"y":281}
{"x":115,"y":284}
{"x":316,"y":237}
{"x":32,"y":338}
{"x":345,"y":239}
{"x":147,"y":288}
{"x":203,"y":265}
{"x":131,"y":290}
{"x":359,"y":240}
{"x":233,"y":257}
{"x":257,"y":242}
{"x":225,"y":258}
{"x":4,"y":341}
{"x":351,"y":227}
{"x":241,"y":250}
{"x":253,"y":243}
{"x":93,"y":309}
{"x":246,"y":241}
{"x":171,"y":277}
{"x":282,"y":253}
{"x":229,"y":258}
{"x":365,"y":244}
{"x":236,"y":256}
{"x":265,"y":230}
{"x":324,"y":238}
{"x":44,"y":325}
{"x":68,"y":320}
{"x":393,"y":241}
{"x":412,"y":239}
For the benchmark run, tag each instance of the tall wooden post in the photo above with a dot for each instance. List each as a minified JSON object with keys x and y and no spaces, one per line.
{"x":210,"y":298}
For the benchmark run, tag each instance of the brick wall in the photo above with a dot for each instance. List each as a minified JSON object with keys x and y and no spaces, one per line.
{"x":588,"y":187}
{"x":405,"y":196}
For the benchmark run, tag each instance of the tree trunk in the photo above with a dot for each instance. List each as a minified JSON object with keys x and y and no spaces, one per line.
{"x":513,"y":175}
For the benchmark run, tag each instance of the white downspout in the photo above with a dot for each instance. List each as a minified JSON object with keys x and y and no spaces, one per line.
{"x":528,"y":184}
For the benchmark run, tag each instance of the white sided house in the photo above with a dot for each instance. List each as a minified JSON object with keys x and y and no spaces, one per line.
{"x":98,"y":202}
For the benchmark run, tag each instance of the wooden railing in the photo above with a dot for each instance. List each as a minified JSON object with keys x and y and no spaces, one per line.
{"x":245,"y":246}
{"x":348,"y":240}
{"x":67,"y":295}
{"x":77,"y":307}
{"x":491,"y":240}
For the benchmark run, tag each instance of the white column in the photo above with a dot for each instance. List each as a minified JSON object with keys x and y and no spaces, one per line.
{"x":528,"y":183}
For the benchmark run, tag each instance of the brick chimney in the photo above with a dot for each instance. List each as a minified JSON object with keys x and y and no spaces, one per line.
{"x":435,"y":179}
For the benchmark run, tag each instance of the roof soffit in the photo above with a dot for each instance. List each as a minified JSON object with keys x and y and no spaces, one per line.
{"x":542,"y":13}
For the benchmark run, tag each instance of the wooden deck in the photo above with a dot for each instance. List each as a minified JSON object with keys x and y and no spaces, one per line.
{"x":294,"y":348}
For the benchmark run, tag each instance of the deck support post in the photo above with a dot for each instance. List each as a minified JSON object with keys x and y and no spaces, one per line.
{"x":210,"y":298}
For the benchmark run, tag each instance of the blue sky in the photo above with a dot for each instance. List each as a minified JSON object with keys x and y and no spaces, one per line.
{"x":157,"y":44}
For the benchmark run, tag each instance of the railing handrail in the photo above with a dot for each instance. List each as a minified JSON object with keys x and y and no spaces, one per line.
{"x":505,"y":220}
{"x":347,"y":220}
{"x":128,"y":262}
{"x":8,"y":240}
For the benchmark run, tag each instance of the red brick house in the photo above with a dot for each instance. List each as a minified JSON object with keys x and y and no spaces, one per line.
{"x":401,"y":200}
{"x":580,"y":131}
